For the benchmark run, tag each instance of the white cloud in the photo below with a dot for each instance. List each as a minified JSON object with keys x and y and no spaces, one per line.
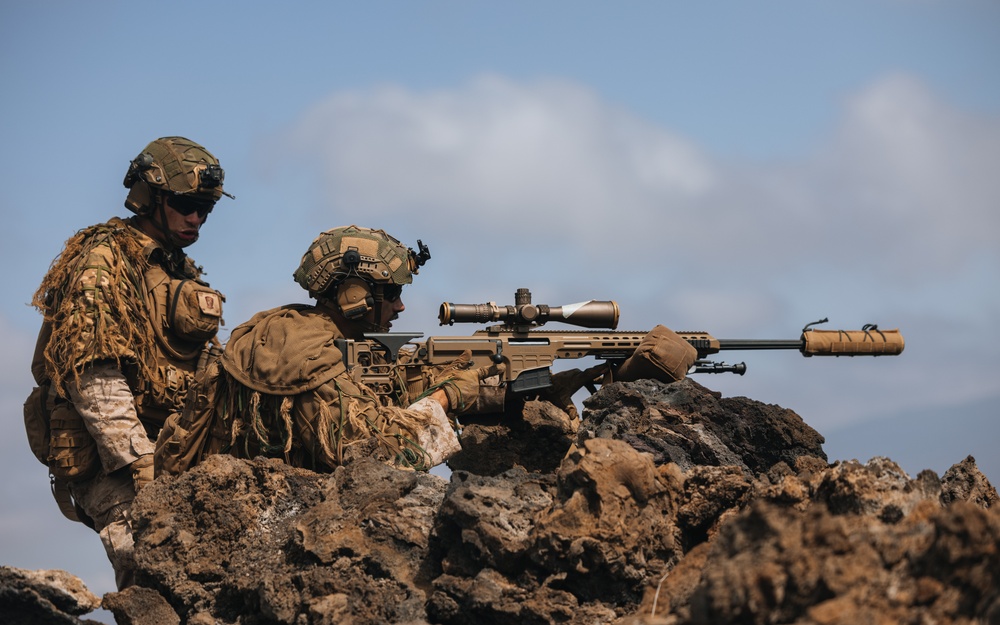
{"x":915,"y":176}
{"x":547,"y":153}
{"x":906,"y":184}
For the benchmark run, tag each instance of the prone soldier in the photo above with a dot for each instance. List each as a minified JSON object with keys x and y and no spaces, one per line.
{"x":283,"y":389}
{"x":280,"y":388}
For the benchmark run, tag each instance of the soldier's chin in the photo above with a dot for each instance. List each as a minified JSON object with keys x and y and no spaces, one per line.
{"x":184,"y":239}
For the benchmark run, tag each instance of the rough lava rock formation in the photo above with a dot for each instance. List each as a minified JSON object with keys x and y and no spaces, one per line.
{"x":662,"y":505}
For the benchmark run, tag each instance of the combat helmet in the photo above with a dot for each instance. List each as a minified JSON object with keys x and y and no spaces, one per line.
{"x":359,"y":267}
{"x":176,"y":166}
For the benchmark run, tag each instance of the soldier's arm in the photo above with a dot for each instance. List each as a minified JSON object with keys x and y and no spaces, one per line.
{"x":104,"y":401}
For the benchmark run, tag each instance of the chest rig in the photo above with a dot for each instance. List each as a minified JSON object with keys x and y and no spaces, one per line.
{"x":185,"y":315}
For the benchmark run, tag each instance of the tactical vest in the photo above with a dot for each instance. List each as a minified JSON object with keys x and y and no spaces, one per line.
{"x":179,"y":317}
{"x":185,"y":314}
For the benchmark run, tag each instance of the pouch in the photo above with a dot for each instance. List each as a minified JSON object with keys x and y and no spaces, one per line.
{"x":36,"y":422}
{"x":194,"y":311}
{"x":181,"y":443}
{"x":72,"y":450}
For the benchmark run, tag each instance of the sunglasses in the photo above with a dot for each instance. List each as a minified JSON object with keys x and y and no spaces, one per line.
{"x":187,"y":205}
{"x":392,"y":292}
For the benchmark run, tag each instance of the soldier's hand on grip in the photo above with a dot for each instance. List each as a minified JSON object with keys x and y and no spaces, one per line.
{"x":565,"y":384}
{"x":462,"y":388}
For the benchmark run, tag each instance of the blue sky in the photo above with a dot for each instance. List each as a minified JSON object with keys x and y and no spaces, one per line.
{"x":741,"y":168}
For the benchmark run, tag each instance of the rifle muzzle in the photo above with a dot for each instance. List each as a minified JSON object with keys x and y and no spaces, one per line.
{"x":867,"y":342}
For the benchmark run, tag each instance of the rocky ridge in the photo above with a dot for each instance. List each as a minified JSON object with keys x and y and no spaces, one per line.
{"x":662,"y":505}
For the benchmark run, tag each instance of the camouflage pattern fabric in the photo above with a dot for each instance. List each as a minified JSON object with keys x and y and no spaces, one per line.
{"x":284,"y":392}
{"x":104,"y":401}
{"x":104,"y":299}
{"x":106,"y":347}
{"x":94,"y":302}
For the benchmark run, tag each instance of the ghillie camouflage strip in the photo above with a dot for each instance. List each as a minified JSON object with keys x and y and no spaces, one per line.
{"x":93,"y":297}
{"x":317,"y":427}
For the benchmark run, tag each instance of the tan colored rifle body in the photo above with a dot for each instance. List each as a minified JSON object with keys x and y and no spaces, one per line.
{"x":530,"y":354}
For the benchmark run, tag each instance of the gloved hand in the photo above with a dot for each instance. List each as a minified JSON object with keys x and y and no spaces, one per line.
{"x":565,"y":384}
{"x":142,"y":471}
{"x":462,"y":387}
{"x":662,"y":355}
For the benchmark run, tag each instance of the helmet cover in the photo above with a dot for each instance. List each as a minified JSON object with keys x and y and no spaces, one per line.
{"x":177,"y":166}
{"x":372,"y":255}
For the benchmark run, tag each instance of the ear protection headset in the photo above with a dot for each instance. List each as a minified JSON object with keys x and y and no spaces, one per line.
{"x":354,"y":298}
{"x":354,"y":293}
{"x":140,"y":198}
{"x":140,"y":195}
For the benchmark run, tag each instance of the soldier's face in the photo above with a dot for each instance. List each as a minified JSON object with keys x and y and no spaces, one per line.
{"x":390,"y":311}
{"x":183,"y":228}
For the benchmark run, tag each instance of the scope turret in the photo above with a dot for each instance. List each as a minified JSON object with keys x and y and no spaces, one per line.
{"x":590,"y":314}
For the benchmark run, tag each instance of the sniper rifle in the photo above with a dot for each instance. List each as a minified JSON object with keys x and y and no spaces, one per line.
{"x":529,"y":352}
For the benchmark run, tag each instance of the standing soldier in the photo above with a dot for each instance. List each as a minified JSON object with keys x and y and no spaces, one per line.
{"x":127,"y":321}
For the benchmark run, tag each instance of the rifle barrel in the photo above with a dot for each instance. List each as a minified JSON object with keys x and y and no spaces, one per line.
{"x":749,"y":344}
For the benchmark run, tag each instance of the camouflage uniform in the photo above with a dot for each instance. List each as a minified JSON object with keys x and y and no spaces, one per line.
{"x":281,"y":388}
{"x":127,"y":320}
{"x":282,"y":391}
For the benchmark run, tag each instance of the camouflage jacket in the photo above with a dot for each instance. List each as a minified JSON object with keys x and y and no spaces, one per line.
{"x":281,"y":390}
{"x":115,"y":294}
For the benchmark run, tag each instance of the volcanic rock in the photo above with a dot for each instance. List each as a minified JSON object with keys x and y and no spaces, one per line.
{"x":664,"y":504}
{"x":44,"y":597}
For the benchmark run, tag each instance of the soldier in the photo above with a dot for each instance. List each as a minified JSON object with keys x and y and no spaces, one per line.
{"x":127,"y":319}
{"x":281,"y":389}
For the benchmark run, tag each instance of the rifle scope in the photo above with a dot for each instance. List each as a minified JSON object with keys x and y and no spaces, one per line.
{"x":590,"y":314}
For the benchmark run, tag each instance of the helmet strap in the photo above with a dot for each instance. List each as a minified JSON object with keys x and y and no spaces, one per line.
{"x":377,"y":295}
{"x":161,"y":207}
{"x":156,"y":216}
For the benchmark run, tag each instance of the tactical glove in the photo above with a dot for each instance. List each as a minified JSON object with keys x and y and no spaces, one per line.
{"x":662,"y":355}
{"x":565,"y":384}
{"x":462,"y":388}
{"x":142,"y":471}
